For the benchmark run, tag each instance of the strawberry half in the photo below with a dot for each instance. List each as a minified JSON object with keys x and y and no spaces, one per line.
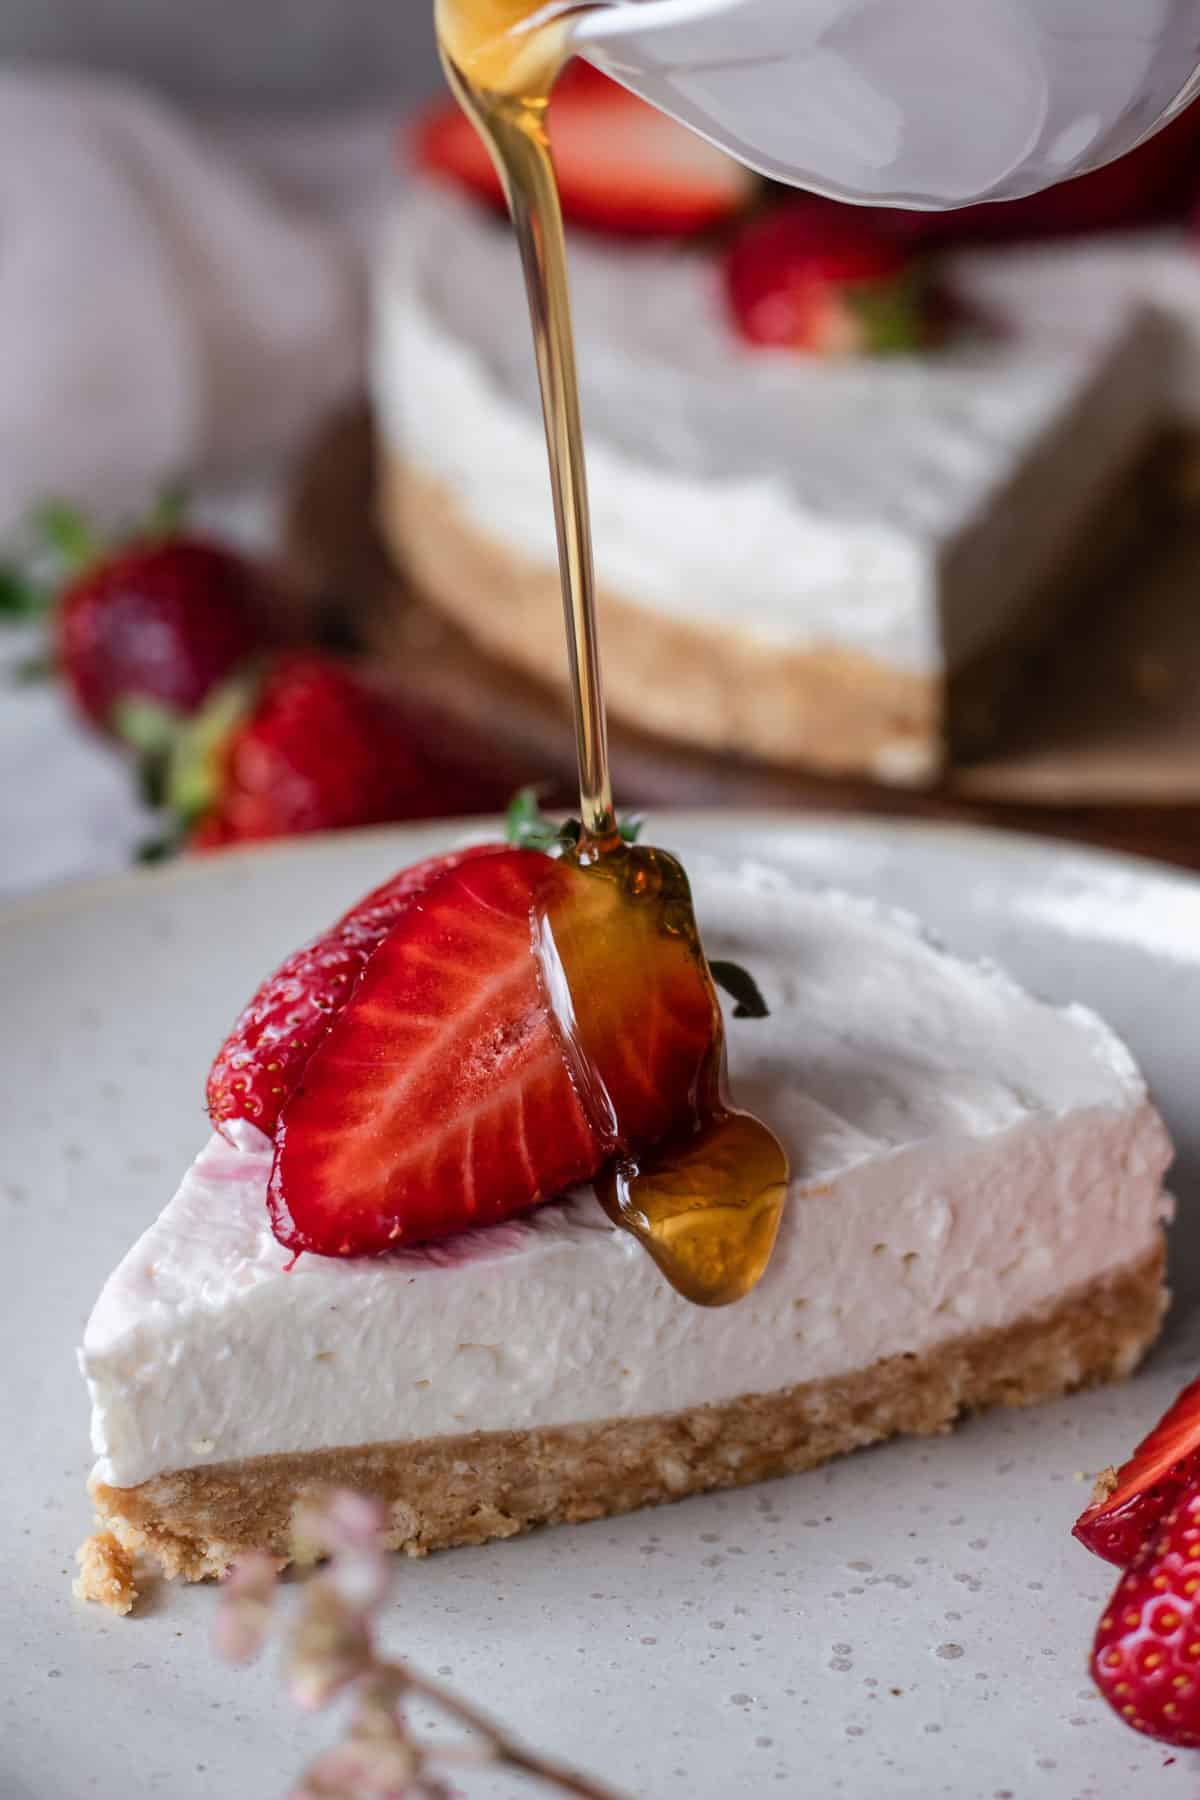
{"x":1128,"y":1505}
{"x":261,"y":1061}
{"x":623,"y":166}
{"x":811,"y":276}
{"x":449,"y":1095}
{"x":1146,"y":1654}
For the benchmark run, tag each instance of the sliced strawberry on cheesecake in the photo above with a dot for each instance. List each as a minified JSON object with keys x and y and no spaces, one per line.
{"x":465,"y":1081}
{"x":1130,"y":1503}
{"x":261,"y":1061}
{"x":623,"y":167}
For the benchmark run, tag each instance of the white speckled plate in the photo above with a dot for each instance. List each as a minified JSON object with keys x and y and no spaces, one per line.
{"x":911,"y":1622}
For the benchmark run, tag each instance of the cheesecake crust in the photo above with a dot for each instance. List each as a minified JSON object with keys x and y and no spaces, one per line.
{"x":447,"y":1491}
{"x":694,"y":681}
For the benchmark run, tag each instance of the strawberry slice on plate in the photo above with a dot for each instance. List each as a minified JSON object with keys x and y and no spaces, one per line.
{"x":1146,"y":1653}
{"x":457,"y":1088}
{"x":1130,"y":1502}
{"x":623,"y":167}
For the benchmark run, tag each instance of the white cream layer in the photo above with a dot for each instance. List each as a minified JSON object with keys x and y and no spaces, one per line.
{"x":962,"y":1156}
{"x":901,"y":507}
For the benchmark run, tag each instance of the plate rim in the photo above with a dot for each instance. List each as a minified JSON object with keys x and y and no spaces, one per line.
{"x":77,"y":895}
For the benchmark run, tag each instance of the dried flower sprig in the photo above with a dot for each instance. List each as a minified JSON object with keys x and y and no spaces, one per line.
{"x":330,"y":1650}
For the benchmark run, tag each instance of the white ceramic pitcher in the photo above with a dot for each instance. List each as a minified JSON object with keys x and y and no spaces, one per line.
{"x":922,"y":103}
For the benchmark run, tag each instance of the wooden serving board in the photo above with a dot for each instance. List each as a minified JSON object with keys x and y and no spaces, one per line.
{"x":1104,"y":747}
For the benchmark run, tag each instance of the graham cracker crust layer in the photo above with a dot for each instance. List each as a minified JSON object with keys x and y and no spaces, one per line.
{"x":466,"y":1490}
{"x":693,"y":680}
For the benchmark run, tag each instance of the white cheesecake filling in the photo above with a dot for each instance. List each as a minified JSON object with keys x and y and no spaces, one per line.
{"x":963,"y":1155}
{"x":902,"y":508}
{"x":1061,"y":286}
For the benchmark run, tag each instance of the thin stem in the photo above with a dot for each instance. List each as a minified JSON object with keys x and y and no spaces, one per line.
{"x":505,"y":1749}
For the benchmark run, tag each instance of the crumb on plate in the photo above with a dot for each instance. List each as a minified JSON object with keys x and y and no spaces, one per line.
{"x":105,"y":1573}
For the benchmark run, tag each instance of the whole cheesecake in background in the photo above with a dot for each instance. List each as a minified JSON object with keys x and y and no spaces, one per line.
{"x":802,"y":557}
{"x":975,"y":1216}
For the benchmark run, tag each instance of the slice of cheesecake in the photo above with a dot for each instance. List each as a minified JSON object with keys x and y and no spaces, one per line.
{"x":975,"y":1217}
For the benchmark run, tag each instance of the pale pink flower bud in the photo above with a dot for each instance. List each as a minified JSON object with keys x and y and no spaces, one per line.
{"x":362,"y":1578}
{"x":243,"y":1616}
{"x":369,"y":1770}
{"x":330,"y":1646}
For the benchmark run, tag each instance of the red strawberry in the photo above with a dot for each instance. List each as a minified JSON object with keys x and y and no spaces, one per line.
{"x":164,"y":622}
{"x":263,"y":1058}
{"x":444,"y":1097}
{"x":811,"y":276}
{"x":1146,"y":1654}
{"x":318,"y":748}
{"x":1128,"y":1505}
{"x":623,"y":166}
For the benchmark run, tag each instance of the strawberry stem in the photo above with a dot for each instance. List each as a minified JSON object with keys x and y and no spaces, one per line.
{"x":527,"y":827}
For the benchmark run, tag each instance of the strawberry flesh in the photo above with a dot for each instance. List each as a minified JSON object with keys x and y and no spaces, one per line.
{"x":456,"y":1089}
{"x":442,"y":1099}
{"x":1146,"y":1653}
{"x":263,"y":1058}
{"x":623,"y":166}
{"x":1126,"y":1510}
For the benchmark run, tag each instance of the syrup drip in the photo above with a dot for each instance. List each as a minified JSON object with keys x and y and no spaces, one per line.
{"x":706,"y":1201}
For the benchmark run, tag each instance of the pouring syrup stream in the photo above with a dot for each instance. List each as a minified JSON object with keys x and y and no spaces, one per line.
{"x":705,"y":1202}
{"x":513,"y":126}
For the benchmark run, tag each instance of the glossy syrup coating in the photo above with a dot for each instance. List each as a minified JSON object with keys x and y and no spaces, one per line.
{"x":703,"y":1193}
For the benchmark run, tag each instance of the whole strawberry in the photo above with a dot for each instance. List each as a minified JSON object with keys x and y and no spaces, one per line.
{"x":1146,"y":1655}
{"x":162,"y":622}
{"x":313,"y":745}
{"x":812,"y":277}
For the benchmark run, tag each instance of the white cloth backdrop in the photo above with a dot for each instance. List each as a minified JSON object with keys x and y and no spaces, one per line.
{"x":175,"y":300}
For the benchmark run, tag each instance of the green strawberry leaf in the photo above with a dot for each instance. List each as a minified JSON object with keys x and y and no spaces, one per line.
{"x":894,"y":315}
{"x":68,"y":534}
{"x":160,"y":849}
{"x":152,"y":731}
{"x":146,"y":725}
{"x":167,"y":515}
{"x":527,"y":827}
{"x":194,"y":766}
{"x":742,"y":988}
{"x":20,"y":596}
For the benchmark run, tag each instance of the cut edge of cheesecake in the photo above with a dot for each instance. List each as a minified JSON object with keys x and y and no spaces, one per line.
{"x":832,"y":707}
{"x":469,"y":1489}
